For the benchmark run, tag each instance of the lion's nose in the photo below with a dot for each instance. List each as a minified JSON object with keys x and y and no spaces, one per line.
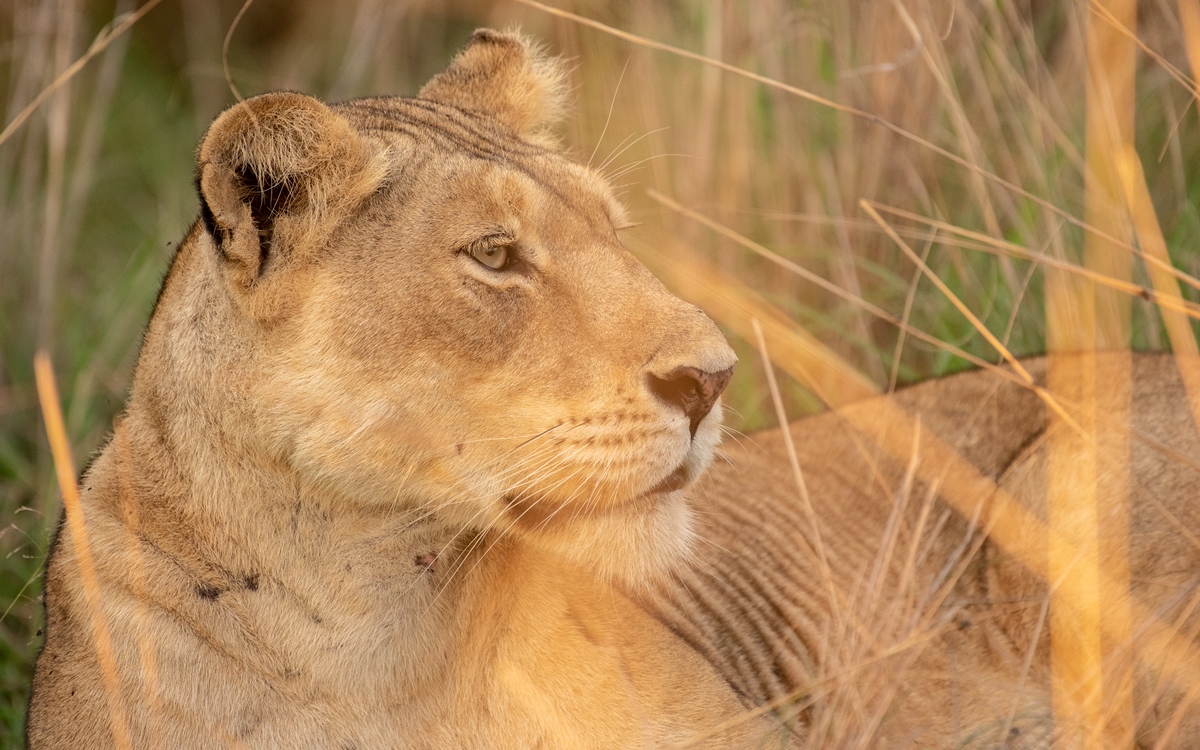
{"x":691,"y":389}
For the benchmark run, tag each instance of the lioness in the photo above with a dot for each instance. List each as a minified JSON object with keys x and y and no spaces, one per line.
{"x":411,"y":460}
{"x":407,"y":421}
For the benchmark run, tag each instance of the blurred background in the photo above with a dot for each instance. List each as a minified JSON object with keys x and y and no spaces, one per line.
{"x":968,"y":134}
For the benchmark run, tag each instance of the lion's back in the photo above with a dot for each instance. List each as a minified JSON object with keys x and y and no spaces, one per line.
{"x":923,"y":622}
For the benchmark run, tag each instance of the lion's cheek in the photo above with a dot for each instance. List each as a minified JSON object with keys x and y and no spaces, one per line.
{"x":376,"y":453}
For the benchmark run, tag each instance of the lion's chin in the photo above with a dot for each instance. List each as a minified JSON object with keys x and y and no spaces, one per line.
{"x":633,"y":545}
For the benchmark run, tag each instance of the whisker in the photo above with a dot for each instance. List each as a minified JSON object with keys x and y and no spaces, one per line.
{"x":533,"y":435}
{"x":608,"y":119}
{"x":626,"y":169}
{"x":498,"y":536}
{"x":608,"y":161}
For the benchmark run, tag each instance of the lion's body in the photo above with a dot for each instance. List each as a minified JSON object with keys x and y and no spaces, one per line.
{"x":941,"y":640}
{"x":403,"y":460}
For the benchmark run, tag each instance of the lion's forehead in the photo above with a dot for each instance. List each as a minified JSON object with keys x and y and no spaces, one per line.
{"x":479,"y":147}
{"x":440,"y":126}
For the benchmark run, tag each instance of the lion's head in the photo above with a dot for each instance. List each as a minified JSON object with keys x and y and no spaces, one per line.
{"x":421,"y":303}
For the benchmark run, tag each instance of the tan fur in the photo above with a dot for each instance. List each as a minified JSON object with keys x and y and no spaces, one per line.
{"x":368,"y":493}
{"x":934,"y":626}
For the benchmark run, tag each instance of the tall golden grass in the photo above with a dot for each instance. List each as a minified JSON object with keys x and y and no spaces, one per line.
{"x":872,"y":192}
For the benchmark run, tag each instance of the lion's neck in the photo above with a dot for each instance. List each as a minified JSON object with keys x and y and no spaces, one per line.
{"x":271,"y":559}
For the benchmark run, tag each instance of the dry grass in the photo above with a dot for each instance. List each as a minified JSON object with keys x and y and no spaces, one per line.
{"x":1014,"y":202}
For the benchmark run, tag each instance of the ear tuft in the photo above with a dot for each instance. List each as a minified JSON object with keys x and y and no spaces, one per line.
{"x":506,"y":76}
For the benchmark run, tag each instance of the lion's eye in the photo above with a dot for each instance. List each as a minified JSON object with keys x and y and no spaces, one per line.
{"x":494,"y":256}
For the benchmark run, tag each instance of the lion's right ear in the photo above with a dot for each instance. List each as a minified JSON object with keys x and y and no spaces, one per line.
{"x":506,"y":76}
{"x":275,"y":174}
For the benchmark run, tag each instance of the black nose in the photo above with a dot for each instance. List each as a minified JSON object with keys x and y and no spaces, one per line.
{"x":691,"y":389}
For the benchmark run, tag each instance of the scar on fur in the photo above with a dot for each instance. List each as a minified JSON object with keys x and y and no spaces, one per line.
{"x":426,"y":560}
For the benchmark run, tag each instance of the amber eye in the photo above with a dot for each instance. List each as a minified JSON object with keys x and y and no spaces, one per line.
{"x":494,"y":256}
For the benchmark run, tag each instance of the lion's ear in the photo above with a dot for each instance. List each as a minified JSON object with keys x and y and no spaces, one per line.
{"x":275,"y":173}
{"x":507,"y":77}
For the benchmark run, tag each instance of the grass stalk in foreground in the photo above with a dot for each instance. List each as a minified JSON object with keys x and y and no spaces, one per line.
{"x":61,"y":450}
{"x":1088,"y":482}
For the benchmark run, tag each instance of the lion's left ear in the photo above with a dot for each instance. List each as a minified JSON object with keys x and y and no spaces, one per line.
{"x":277,"y":174}
{"x":505,"y":76}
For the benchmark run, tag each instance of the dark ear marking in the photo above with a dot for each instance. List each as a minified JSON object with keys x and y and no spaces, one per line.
{"x":218,"y":234}
{"x":210,"y":226}
{"x":266,"y":201}
{"x":209,"y":221}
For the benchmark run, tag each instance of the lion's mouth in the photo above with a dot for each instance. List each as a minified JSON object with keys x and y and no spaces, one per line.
{"x":532,"y":510}
{"x":676,"y":480}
